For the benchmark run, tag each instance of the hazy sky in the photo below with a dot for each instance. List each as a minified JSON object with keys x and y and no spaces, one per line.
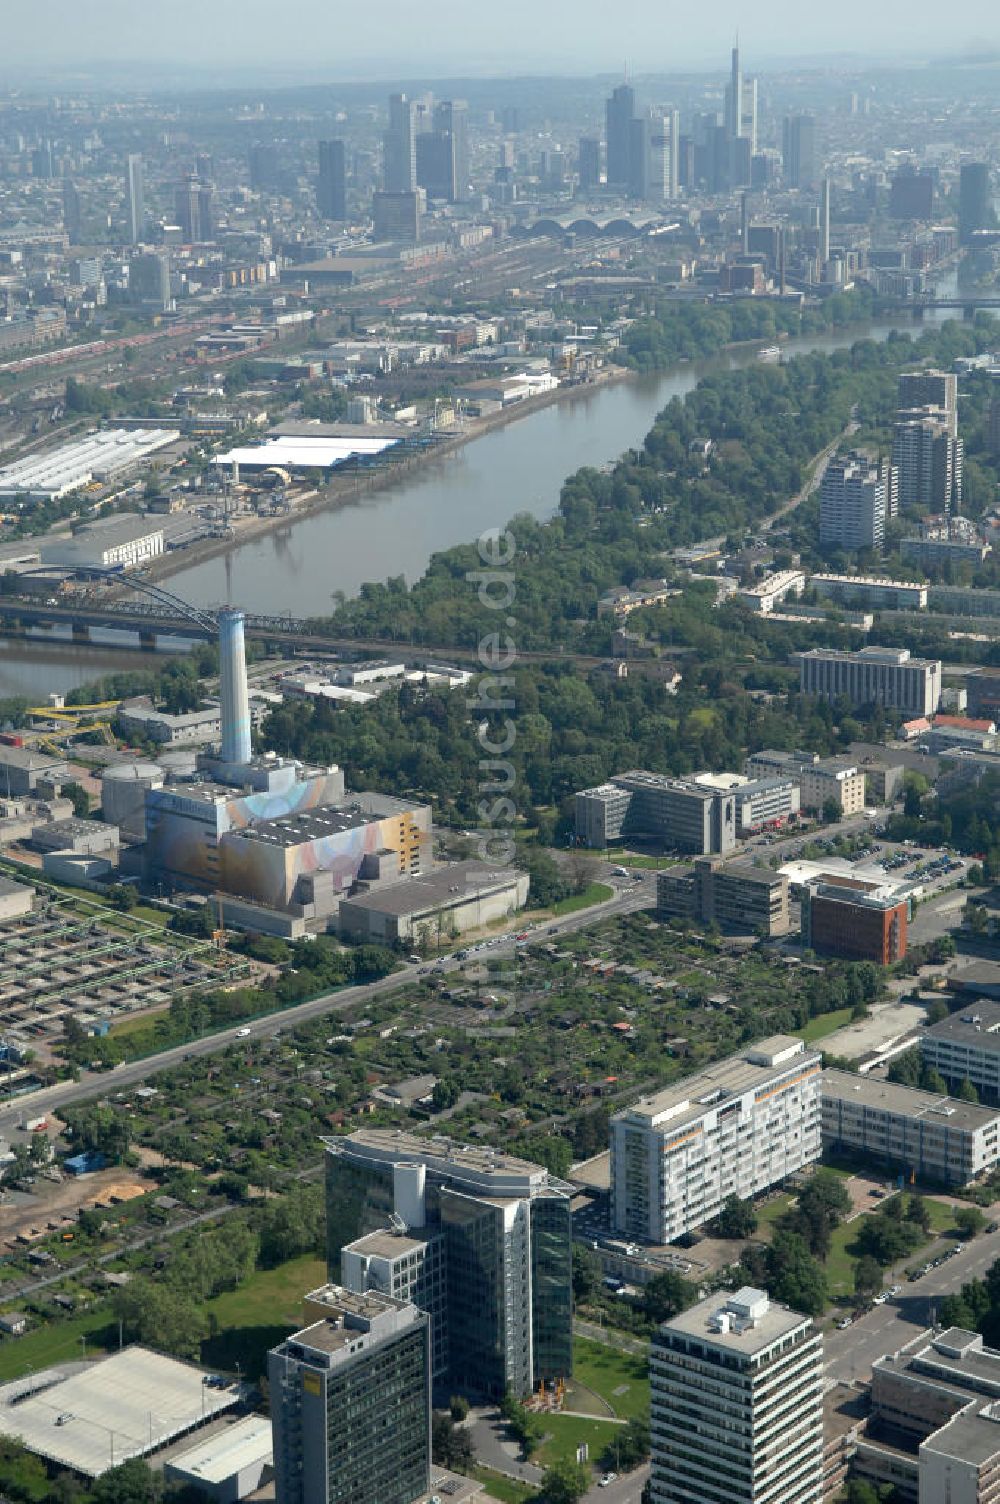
{"x":345,"y":38}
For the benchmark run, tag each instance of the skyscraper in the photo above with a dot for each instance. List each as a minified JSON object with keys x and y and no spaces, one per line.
{"x":503,"y":1227}
{"x":351,"y":1402}
{"x":331,"y":190}
{"x":937,"y":389}
{"x":589,"y":163}
{"x":72,"y":217}
{"x":265,"y":166}
{"x":400,"y":146}
{"x":799,"y":151}
{"x":619,"y":112}
{"x":206,"y":211}
{"x":640,"y":135}
{"x":974,"y":206}
{"x":733,"y":108}
{"x":135,"y":198}
{"x":736,"y":1404}
{"x":187,"y":210}
{"x":824,"y":222}
{"x":928,"y":462}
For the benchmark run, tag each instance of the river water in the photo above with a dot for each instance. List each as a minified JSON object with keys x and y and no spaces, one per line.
{"x":298,"y":569}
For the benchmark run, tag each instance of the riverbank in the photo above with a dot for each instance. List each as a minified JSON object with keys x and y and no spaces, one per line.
{"x":348,"y":489}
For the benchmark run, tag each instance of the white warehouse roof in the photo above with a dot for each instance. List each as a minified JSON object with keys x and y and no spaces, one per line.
{"x":97,"y":456}
{"x":298,"y":452}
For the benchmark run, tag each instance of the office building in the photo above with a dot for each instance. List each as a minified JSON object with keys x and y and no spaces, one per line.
{"x":832,"y":780}
{"x":873,"y":676}
{"x":799,"y":152}
{"x":928,"y":463}
{"x":932,"y":1434}
{"x":918,"y":1133}
{"x":451,"y":119}
{"x":206,"y":212}
{"x":736,"y":1410}
{"x":149,"y":281}
{"x":761,"y":804}
{"x":853,"y":503}
{"x":72,"y":214}
{"x":737,"y":1127}
{"x":265,"y":167}
{"x":351,"y":1403}
{"x":187,"y":209}
{"x":589,"y":163}
{"x":854,"y":920}
{"x":640,"y":133}
{"x":400,"y":174}
{"x":740,"y":898}
{"x":911,"y":194}
{"x":409,"y":1268}
{"x":135,"y":198}
{"x":875,"y":594}
{"x":966,"y":1047}
{"x":619,"y":114}
{"x":975,"y":205}
{"x":937,"y":389}
{"x":398,"y":216}
{"x":331,"y":189}
{"x":504,"y":1225}
{"x":676,"y":812}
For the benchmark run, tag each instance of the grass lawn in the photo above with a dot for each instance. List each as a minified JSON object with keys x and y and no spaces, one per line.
{"x":564,"y":1433}
{"x":137,"y":1024}
{"x":57,"y":1343}
{"x":592,"y":893}
{"x":249,"y":1321}
{"x":769,"y":1213}
{"x":604,"y":1370}
{"x":824,"y":1024}
{"x":499,"y":1487}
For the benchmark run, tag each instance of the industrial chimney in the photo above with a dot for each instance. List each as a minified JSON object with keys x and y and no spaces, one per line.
{"x":233,"y":688}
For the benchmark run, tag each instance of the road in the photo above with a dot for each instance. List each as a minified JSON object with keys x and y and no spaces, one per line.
{"x":132,"y":1073}
{"x":850,"y":1354}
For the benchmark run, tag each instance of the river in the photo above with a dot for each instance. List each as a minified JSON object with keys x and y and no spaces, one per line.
{"x":519,"y":467}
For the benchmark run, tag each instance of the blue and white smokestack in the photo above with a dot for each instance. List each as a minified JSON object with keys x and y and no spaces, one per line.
{"x":233,"y":688}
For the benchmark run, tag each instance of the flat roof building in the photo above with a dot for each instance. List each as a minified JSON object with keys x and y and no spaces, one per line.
{"x":854,"y":920}
{"x":737,"y":896}
{"x":505,"y":1230}
{"x":863,"y":590}
{"x":447,"y":902}
{"x":351,"y":1404}
{"x":736,"y":1404}
{"x":966,"y":1047}
{"x":933,"y":1137}
{"x":739,"y":1126}
{"x":227,"y":1465}
{"x":873,"y":676}
{"x":678,"y":812}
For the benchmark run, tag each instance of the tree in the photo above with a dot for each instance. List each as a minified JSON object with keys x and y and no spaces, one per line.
{"x":458,"y":1407}
{"x":154,"y":1314}
{"x":79,"y":799}
{"x":445,"y":1093}
{"x":131,"y":1483}
{"x":832,"y":811}
{"x":565,"y":1482}
{"x":737,"y":1219}
{"x":867,"y":1277}
{"x":586,"y":1273}
{"x":630,"y":1446}
{"x":666,"y":1295}
{"x":451,"y":1445}
{"x":919,"y":1212}
{"x":967,"y":1092}
{"x":969,"y":1221}
{"x":794,"y":1276}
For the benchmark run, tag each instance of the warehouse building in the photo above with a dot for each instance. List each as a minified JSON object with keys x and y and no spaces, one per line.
{"x":116,"y":543}
{"x":23,"y":770}
{"x":229,"y":1464}
{"x":676,"y":812}
{"x":738,"y":1127}
{"x":438,"y":905}
{"x":935,"y":1138}
{"x":737,"y":896}
{"x":100,"y":456}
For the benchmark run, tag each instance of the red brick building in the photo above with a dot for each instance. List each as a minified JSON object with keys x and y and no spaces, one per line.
{"x":854,"y":921}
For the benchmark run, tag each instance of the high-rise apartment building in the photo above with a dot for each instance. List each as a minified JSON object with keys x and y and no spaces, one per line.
{"x":873,"y":676}
{"x":135,"y":198}
{"x":331,"y":189}
{"x":351,"y":1402}
{"x":736,"y":1405}
{"x":738,"y":1126}
{"x":853,"y":503}
{"x":401,"y":145}
{"x":935,"y":389}
{"x":928,"y":462}
{"x":619,"y":114}
{"x":975,"y":208}
{"x":502,"y":1232}
{"x":799,"y":151}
